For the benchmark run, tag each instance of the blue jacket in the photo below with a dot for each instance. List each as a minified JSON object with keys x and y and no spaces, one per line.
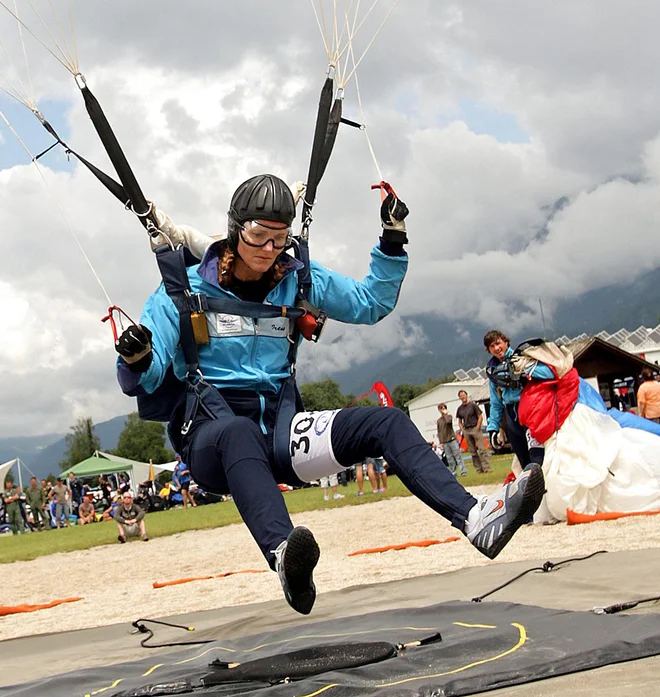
{"x":252,"y":354}
{"x":507,"y":395}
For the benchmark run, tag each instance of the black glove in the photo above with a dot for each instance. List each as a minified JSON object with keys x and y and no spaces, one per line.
{"x":393,"y":212}
{"x":495,"y":442}
{"x":134,"y":346}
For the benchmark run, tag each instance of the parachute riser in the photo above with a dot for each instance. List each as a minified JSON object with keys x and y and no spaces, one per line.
{"x":136,"y":199}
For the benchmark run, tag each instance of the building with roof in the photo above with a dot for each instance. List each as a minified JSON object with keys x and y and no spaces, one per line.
{"x":611,"y":363}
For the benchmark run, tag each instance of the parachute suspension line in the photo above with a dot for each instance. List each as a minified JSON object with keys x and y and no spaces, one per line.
{"x":61,"y":60}
{"x":23,"y":97}
{"x":318,"y":22}
{"x":346,"y":29}
{"x":27,"y":65}
{"x":364,"y":125}
{"x":71,"y":62}
{"x":73,"y":36}
{"x":59,"y":208}
{"x":71,"y":51}
{"x":356,"y":29}
{"x":382,"y":24}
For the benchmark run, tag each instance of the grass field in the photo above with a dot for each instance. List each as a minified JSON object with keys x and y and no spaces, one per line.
{"x":162,"y":523}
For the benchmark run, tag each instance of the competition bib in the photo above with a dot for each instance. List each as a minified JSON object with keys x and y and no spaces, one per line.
{"x":311,"y":445}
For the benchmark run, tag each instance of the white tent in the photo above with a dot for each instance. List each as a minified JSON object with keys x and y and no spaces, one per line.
{"x":20,"y":466}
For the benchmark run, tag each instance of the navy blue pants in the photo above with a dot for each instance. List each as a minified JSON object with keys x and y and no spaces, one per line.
{"x":518,"y":439}
{"x":231,"y":454}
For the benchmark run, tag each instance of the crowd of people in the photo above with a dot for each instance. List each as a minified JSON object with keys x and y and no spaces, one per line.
{"x":63,"y":502}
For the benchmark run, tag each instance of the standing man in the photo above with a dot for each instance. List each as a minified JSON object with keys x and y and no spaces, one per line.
{"x":35,"y":497}
{"x":648,"y":396}
{"x":506,"y":397}
{"x":75,"y":490}
{"x":181,"y":479}
{"x":470,"y":419}
{"x":12,"y":507}
{"x":449,"y":443}
{"x":60,"y":493}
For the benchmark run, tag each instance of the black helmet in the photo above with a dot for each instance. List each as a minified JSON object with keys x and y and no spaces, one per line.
{"x":264,"y":197}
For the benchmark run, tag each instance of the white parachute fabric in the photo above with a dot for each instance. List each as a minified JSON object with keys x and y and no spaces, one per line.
{"x":593,"y":465}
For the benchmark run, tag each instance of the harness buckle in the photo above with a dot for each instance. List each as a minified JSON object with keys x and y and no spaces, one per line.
{"x":186,"y":427}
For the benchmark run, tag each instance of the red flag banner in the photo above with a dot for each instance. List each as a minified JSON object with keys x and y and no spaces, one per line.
{"x":384,"y":396}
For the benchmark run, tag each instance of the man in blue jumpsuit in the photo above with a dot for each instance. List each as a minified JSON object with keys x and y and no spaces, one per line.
{"x":246,"y":361}
{"x":506,"y":399}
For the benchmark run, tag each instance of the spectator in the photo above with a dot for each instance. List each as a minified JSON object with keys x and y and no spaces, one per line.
{"x":648,"y":396}
{"x":449,"y":443}
{"x":378,"y":465}
{"x":12,"y":507}
{"x":106,"y":491}
{"x":86,"y":511}
{"x":181,"y":479}
{"x":470,"y":419}
{"x":506,"y":398}
{"x":47,"y":486}
{"x":75,"y":488}
{"x":124,"y":484}
{"x":60,"y":494}
{"x":330,"y":481}
{"x":130,"y":519}
{"x":359,"y":477}
{"x":35,"y":497}
{"x":109,"y":512}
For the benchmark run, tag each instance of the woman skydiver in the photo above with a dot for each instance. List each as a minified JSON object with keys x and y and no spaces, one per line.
{"x":229,"y":442}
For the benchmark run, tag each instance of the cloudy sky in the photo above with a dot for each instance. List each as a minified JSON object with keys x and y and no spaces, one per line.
{"x":482,"y":115}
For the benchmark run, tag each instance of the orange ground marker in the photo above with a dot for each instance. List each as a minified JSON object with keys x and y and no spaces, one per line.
{"x":16,"y":609}
{"x":179,"y":581}
{"x":404,"y":545}
{"x":573,"y":518}
{"x":244,"y":571}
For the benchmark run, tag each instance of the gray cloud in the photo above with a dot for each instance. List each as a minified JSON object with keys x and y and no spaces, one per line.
{"x":205,"y":95}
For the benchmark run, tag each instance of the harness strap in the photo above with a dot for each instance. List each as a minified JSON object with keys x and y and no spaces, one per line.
{"x":172,"y":266}
{"x":244,"y":308}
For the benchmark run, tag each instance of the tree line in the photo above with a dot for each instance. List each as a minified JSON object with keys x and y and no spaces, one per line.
{"x":145,"y":440}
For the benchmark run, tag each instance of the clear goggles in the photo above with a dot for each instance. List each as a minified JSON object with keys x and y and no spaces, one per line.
{"x":259,"y":234}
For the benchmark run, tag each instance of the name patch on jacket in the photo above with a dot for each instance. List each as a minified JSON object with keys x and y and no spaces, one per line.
{"x":221,"y":324}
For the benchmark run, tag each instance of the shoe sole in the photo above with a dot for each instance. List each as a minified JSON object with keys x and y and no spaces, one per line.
{"x":531,"y":500}
{"x":300,"y":558}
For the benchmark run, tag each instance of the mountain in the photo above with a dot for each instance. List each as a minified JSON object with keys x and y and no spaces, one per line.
{"x":453,"y":344}
{"x":42,"y":454}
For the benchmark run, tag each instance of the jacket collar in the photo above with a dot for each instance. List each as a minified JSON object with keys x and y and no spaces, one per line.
{"x":208,"y":267}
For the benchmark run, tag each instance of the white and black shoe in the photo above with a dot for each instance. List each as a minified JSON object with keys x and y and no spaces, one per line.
{"x":502,"y":513}
{"x":295,"y":559}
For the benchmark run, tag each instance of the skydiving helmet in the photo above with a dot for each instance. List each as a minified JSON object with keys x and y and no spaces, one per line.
{"x":264,"y":197}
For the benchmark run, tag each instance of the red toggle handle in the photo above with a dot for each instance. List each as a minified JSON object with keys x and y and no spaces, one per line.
{"x":385,"y":189}
{"x":113,"y":324}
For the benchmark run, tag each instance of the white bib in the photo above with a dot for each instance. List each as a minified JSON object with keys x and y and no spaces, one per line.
{"x":311,"y":446}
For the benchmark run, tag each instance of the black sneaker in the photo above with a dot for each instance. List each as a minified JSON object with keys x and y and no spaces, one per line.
{"x":503,"y":512}
{"x":295,"y":560}
{"x":121,"y":538}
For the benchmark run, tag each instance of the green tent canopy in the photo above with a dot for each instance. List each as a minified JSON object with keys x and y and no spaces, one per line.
{"x":104,"y":463}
